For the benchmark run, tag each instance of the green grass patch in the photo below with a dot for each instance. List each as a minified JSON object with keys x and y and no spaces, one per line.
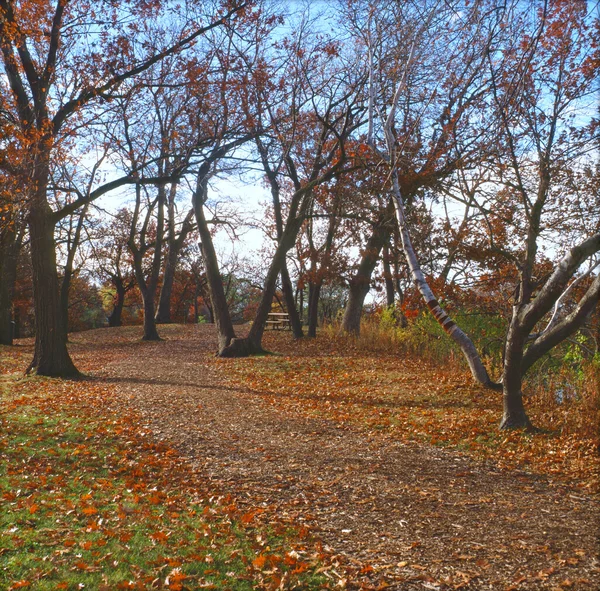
{"x":90,"y":503}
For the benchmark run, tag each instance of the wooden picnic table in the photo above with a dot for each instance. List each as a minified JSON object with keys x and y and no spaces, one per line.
{"x":279,"y":320}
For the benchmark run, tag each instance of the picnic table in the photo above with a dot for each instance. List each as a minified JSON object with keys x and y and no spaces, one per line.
{"x":279,"y":320}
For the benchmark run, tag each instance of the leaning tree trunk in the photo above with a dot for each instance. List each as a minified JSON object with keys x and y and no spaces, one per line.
{"x":9,"y":252}
{"x":466,"y":345}
{"x":252,"y":344}
{"x":290,"y":303}
{"x":51,"y":357}
{"x":220,"y":310}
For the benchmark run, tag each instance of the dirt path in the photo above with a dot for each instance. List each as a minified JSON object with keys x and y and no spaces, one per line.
{"x":423,"y":518}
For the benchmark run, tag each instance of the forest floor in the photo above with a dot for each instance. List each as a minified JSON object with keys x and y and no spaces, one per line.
{"x":396,"y":468}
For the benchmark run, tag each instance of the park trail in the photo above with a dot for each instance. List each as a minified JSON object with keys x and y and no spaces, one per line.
{"x":409,"y":516}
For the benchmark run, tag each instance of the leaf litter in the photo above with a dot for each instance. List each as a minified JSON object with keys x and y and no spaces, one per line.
{"x":313,"y":439}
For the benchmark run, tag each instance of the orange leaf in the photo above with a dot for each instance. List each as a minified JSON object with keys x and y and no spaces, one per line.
{"x":259,"y":561}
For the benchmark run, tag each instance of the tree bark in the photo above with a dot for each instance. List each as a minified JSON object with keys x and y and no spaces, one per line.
{"x":10,"y":244}
{"x":115,"y":318}
{"x":51,"y":357}
{"x":220,"y":310}
{"x":390,"y":295}
{"x":514,"y":415}
{"x":314,"y":293}
{"x":163,"y":312}
{"x":361,"y":282}
{"x":150,"y":330}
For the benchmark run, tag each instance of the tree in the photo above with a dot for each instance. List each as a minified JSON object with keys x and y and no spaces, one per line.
{"x":541,"y":89}
{"x":12,"y":231}
{"x":57,"y":59}
{"x":113,"y":260}
{"x":411,"y":127}
{"x":320,"y":112}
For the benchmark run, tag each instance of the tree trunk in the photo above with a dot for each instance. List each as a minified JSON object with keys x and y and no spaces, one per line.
{"x":252,"y":344}
{"x":314,"y":293}
{"x":150,"y":331}
{"x":466,"y":345}
{"x":72,"y":246}
{"x":388,"y":277}
{"x":361,"y":282}
{"x":51,"y":357}
{"x":9,"y":252}
{"x":290,"y":303}
{"x":118,"y":301}
{"x":514,"y":415}
{"x":220,"y":310}
{"x":163,"y":312}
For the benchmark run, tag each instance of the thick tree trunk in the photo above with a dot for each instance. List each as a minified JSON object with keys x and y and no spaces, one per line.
{"x":314,"y":293}
{"x":514,"y":415}
{"x":9,"y":252}
{"x":51,"y":357}
{"x":115,"y":318}
{"x":150,"y":331}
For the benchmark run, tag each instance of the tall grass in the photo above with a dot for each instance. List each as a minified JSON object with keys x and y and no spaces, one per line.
{"x":562,"y":389}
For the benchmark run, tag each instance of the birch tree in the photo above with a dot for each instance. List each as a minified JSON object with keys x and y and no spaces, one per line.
{"x":424,"y":66}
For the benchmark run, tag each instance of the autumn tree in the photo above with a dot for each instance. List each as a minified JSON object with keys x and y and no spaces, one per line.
{"x":112,"y":260}
{"x":60,"y":59}
{"x":309,"y":128}
{"x":417,"y":105}
{"x":542,"y":89}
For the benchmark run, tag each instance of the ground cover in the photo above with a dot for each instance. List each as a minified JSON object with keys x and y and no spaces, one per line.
{"x":412,"y":400}
{"x":90,"y":501}
{"x":322,"y":438}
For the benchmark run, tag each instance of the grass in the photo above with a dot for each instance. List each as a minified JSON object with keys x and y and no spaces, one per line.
{"x":88,"y":502}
